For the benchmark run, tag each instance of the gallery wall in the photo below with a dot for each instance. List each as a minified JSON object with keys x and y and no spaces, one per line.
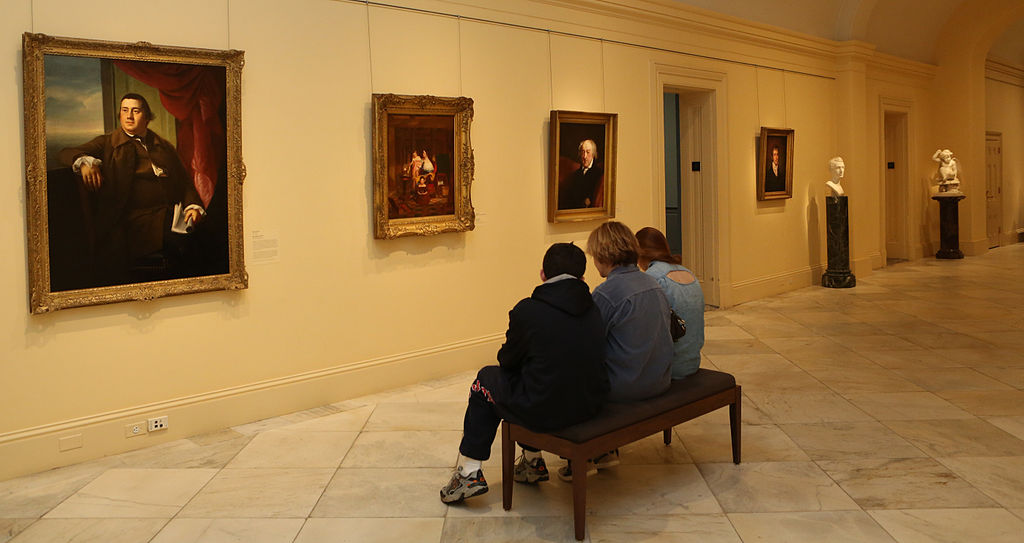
{"x":1005,"y":114}
{"x":337,"y":314}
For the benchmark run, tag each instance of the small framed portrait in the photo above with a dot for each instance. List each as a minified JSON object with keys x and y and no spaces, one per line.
{"x":581,"y":179}
{"x":775,"y":164}
{"x":134,"y":171}
{"x":422,"y":165}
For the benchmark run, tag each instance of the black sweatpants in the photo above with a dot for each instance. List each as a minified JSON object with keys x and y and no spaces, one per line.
{"x":484,"y":413}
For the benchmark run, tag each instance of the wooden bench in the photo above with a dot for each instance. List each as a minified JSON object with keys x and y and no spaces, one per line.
{"x":620,"y":424}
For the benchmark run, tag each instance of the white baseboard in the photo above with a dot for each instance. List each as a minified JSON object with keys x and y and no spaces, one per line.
{"x":37,"y":449}
{"x":753,"y":289}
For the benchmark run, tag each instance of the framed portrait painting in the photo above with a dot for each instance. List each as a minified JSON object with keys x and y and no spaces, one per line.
{"x":422,"y":165}
{"x":134,"y":171}
{"x":581,"y":180}
{"x":775,"y":164}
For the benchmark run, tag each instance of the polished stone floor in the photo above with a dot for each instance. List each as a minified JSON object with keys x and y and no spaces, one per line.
{"x":893,"y":411}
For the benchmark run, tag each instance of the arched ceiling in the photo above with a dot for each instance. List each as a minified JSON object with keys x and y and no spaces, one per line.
{"x":904,"y":28}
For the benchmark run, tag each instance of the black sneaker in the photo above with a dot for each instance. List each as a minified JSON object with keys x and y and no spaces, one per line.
{"x":531,"y":471}
{"x":464,"y":486}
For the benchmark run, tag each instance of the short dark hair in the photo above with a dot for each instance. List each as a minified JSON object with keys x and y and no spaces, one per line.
{"x":141,"y":99}
{"x":564,"y":258}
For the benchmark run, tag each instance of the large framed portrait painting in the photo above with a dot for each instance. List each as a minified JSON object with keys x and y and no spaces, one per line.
{"x":581,"y":181}
{"x":134,"y":171}
{"x":775,"y":164}
{"x":422,"y":165}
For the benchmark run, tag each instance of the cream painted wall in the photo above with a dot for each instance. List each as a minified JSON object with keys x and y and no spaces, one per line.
{"x":341,"y":314}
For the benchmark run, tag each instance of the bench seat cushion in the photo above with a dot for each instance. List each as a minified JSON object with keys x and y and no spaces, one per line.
{"x":619,"y":415}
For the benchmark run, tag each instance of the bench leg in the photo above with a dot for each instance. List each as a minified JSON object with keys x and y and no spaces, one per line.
{"x":734,"y":424}
{"x":579,"y":497}
{"x":667,"y":436}
{"x":508,"y":451}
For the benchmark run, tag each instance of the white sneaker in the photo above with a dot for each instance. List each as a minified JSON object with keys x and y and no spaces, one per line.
{"x":607,"y":460}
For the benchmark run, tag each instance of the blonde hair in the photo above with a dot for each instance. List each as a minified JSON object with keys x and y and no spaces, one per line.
{"x":614,"y":244}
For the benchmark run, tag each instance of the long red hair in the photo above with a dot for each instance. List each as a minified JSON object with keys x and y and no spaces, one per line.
{"x":654,"y":246}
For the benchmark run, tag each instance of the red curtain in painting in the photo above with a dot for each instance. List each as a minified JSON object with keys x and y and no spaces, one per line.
{"x":195,"y":96}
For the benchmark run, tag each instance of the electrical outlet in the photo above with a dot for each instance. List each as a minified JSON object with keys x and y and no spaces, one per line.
{"x":135,"y":429}
{"x":158,"y":423}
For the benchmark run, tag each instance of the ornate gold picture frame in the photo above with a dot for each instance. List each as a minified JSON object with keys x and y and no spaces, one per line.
{"x":422,"y":165}
{"x":581,"y":179}
{"x":775,"y":164}
{"x":134,"y":171}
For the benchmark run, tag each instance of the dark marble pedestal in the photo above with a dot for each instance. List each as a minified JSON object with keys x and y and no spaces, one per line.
{"x":838,"y":237}
{"x":949,"y":224}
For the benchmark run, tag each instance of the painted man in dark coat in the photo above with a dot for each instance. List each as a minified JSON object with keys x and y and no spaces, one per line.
{"x":580,"y":189}
{"x":134,"y":178}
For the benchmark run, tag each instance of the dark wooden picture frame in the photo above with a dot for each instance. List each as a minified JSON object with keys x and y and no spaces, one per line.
{"x":775,"y":183}
{"x":575,"y":192}
{"x":422,"y":165}
{"x":110,"y":240}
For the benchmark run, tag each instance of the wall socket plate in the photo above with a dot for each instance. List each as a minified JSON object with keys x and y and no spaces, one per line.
{"x":134,"y":429}
{"x":158,"y":423}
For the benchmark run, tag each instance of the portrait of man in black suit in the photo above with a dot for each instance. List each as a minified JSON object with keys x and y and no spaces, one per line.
{"x":775,"y":170}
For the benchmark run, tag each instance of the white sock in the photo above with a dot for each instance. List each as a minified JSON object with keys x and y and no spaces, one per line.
{"x":468,"y":465}
{"x":530,"y":455}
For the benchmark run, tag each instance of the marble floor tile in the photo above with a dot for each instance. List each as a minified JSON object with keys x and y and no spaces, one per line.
{"x":961,"y":437}
{"x":807,"y":407}
{"x":875,"y":343}
{"x":818,"y":317}
{"x":781,"y":328}
{"x":91,"y":530}
{"x":412,"y":449}
{"x":259,"y":493}
{"x":417,"y":416}
{"x":662,"y":529}
{"x":945,"y":340}
{"x":985,"y":358}
{"x":507,"y":530}
{"x":809,"y":527}
{"x":352,"y":420}
{"x":725,"y":332}
{"x":845,"y":329}
{"x":950,"y":379}
{"x":393,"y":492}
{"x":652,"y":450}
{"x":1005,"y":340}
{"x":916,"y":359}
{"x":754,"y":487}
{"x":749,"y":363}
{"x":779,"y":381}
{"x":134,"y":493}
{"x":371,"y":530}
{"x":713,"y":443}
{"x":996,"y":403}
{"x":1000,"y":477}
{"x":862,"y":380}
{"x":292,"y":449}
{"x":951,"y":525}
{"x":903,"y":483}
{"x":31,"y":496}
{"x":1011,"y":425}
{"x":1011,"y":376}
{"x":546,"y":498}
{"x":849,"y":440}
{"x":229,"y":531}
{"x":209,"y":451}
{"x":907,"y":406}
{"x":668,"y":490}
{"x":735,"y":346}
{"x":10,"y":527}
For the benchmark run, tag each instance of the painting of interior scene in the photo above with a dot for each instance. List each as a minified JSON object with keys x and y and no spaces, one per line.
{"x":420,"y":165}
{"x":136,"y":171}
{"x":581,"y":177}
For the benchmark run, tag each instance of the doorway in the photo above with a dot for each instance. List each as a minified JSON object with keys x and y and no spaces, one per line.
{"x":994,"y":187}
{"x":689,"y":178}
{"x":896,"y":176}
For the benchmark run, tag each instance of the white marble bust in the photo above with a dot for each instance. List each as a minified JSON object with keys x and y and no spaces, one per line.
{"x":838,"y":169}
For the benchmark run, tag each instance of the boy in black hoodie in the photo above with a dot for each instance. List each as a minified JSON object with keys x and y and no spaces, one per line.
{"x":551,"y":372}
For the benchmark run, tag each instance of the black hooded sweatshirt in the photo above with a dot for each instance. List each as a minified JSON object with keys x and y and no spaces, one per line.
{"x":554,"y":356}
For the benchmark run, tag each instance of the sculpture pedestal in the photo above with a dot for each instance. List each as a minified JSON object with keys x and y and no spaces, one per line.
{"x":949,"y":224}
{"x":838,"y":233}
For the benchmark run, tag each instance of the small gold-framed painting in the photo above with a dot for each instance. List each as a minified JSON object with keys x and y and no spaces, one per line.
{"x":775,"y":164}
{"x":133,"y":169}
{"x":422,"y":165}
{"x":581,"y":180}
